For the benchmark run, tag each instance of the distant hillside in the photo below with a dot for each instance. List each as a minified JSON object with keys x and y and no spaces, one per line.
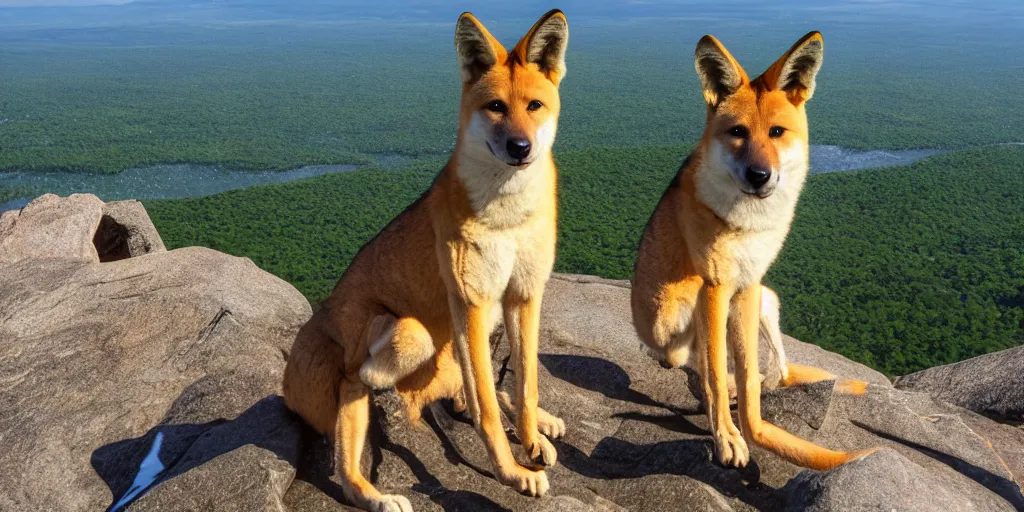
{"x":901,"y":268}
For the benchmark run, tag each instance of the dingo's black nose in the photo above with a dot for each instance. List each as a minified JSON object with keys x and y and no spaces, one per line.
{"x":518,"y":148}
{"x":758,"y":177}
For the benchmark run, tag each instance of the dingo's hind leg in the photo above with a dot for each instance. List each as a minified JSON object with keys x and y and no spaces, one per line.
{"x":438,"y":379}
{"x":398,"y":346}
{"x":335,"y":405}
{"x":311,"y":377}
{"x":670,"y":312}
{"x":349,"y":438}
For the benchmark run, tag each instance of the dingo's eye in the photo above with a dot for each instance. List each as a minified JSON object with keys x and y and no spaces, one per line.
{"x":534,"y":105}
{"x":739,"y":131}
{"x":776,"y":132}
{"x":497,"y":106}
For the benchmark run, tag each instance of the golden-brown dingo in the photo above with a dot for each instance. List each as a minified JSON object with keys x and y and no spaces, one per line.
{"x":416,"y":307}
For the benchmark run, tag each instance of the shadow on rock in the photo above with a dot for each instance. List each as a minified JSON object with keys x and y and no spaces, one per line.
{"x":450,"y":432}
{"x":600,"y":376}
{"x":673,"y":422}
{"x":184,"y":447}
{"x":618,"y":459}
{"x":430,"y":486}
{"x":317,"y":467}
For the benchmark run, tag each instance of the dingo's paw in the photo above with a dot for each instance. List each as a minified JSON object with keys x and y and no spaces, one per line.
{"x":528,"y":481}
{"x":730,"y":448}
{"x":550,"y":425}
{"x":542,"y":452}
{"x":390,"y":503}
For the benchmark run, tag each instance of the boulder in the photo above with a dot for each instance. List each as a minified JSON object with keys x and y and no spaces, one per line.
{"x":51,"y":227}
{"x":884,"y":480}
{"x":96,"y":359}
{"x":151,"y":383}
{"x":992,"y":384}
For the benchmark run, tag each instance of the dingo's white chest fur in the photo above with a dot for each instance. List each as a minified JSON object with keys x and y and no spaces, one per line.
{"x":510,"y":243}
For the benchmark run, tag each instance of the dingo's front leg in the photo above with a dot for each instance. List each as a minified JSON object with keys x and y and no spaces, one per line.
{"x":522,"y":326}
{"x":730,"y":448}
{"x":744,"y":321}
{"x":472,"y":325}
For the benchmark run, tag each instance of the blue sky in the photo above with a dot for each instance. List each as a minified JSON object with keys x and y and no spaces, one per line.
{"x":52,"y":3}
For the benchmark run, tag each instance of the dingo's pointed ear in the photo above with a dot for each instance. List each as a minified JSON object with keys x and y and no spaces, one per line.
{"x":720,"y":74}
{"x":478,"y":50}
{"x":545,"y":43}
{"x":794,"y":72}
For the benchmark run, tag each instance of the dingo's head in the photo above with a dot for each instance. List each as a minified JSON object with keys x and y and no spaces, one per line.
{"x":510,"y":102}
{"x":756,"y":135}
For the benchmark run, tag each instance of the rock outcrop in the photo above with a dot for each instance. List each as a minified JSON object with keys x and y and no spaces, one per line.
{"x":992,"y":384}
{"x":149,"y":380}
{"x":51,"y":228}
{"x":97,"y":358}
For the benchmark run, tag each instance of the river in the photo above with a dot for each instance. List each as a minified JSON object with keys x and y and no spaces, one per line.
{"x":154,"y":182}
{"x":186,"y":180}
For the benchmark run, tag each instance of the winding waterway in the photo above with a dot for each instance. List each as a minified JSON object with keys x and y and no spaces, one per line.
{"x":154,"y":182}
{"x":826,"y":159}
{"x":185,"y":180}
